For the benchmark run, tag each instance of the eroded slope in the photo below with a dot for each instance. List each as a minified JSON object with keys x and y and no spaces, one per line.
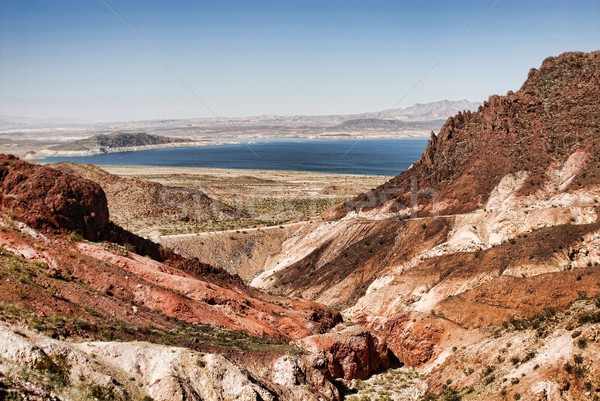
{"x":497,"y":222}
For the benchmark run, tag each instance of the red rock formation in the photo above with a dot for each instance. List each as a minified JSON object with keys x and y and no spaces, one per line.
{"x":48,"y":199}
{"x":186,"y":289}
{"x":498,"y":220}
{"x":353,"y":353}
{"x":552,"y":115}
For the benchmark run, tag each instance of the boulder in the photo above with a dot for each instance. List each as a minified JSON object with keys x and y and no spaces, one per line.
{"x":352,"y":353}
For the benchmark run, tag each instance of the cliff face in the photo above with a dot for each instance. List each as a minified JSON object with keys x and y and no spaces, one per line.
{"x":554,"y":113}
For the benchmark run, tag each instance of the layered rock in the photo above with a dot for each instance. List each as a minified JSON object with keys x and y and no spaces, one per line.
{"x":498,"y":222}
{"x":134,"y":370}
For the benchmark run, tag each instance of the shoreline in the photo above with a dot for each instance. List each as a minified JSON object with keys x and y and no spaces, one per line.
{"x":140,"y":170}
{"x":46,"y":153}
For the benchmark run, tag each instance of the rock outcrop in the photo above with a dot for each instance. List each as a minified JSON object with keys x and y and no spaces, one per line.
{"x":352,"y":353}
{"x":138,"y":370}
{"x":144,"y":206}
{"x":554,"y":113}
{"x":45,"y":198}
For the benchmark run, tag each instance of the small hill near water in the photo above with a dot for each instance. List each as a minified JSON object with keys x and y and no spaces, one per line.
{"x":105,"y":142}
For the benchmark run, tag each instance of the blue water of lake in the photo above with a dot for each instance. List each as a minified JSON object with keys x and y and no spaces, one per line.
{"x":367,"y":157}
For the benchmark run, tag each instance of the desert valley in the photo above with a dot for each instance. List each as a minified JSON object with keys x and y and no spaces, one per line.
{"x":472,"y":275}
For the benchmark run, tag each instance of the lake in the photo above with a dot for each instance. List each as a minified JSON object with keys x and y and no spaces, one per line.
{"x":367,"y":157}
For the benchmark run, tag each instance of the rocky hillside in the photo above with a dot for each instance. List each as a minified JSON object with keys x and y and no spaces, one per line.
{"x":478,"y":265}
{"x":554,"y":119}
{"x":46,"y":198}
{"x":147,"y":207}
{"x":85,"y":320}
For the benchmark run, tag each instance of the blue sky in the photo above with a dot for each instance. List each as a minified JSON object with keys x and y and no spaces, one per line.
{"x":76,"y":59}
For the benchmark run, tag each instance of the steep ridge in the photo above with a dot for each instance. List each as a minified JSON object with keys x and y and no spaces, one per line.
{"x":70,"y":290}
{"x":496,"y":224}
{"x":554,"y":114}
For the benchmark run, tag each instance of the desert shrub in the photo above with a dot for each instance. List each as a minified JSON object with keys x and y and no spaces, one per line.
{"x":487,"y":371}
{"x":589,"y":317}
{"x":568,"y":368}
{"x":534,"y":322}
{"x":102,"y":393}
{"x":530,"y":355}
{"x":447,"y":395}
{"x":580,"y":371}
{"x":75,"y":236}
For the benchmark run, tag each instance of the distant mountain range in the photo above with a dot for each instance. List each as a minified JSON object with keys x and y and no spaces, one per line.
{"x":38,"y":138}
{"x":439,"y":110}
{"x":26,"y":122}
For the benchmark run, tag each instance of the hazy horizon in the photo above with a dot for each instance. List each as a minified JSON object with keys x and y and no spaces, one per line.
{"x":61,"y":119}
{"x":138,"y":60}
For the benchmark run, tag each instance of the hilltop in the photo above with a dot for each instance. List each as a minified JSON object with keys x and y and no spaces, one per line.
{"x":115,"y":142}
{"x":145,"y":206}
